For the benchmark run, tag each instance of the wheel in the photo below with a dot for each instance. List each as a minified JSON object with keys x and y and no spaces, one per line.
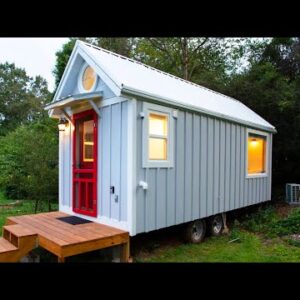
{"x":216,"y":225}
{"x":195,"y":231}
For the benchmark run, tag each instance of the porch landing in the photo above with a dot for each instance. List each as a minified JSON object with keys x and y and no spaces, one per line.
{"x":60,"y":238}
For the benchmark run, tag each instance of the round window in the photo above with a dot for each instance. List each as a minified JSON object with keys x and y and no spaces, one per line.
{"x":87,"y":79}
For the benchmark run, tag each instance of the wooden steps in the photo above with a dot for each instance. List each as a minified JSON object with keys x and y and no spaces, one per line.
{"x":46,"y":230}
{"x":6,"y":246}
{"x":16,"y":242}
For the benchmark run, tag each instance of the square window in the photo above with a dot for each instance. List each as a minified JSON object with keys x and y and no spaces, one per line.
{"x":157,"y":136}
{"x":157,"y":149}
{"x":256,"y":154}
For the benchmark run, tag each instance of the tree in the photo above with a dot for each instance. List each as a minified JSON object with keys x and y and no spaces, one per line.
{"x":29,"y":162}
{"x":205,"y":61}
{"x":271,"y":87}
{"x":21,"y":97}
{"x":122,"y":46}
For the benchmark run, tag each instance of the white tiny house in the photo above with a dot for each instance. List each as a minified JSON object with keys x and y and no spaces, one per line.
{"x":140,"y":149}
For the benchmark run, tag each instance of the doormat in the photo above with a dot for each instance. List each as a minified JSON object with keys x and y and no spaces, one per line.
{"x":73,"y":220}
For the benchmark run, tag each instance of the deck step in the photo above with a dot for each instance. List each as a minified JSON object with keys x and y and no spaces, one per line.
{"x":18,"y":230}
{"x":6,"y":246}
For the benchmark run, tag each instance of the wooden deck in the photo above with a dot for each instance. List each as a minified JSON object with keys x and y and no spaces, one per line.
{"x":63,"y":239}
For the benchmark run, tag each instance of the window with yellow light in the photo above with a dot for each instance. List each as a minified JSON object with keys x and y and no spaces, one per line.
{"x":158,"y":137}
{"x":256,"y":154}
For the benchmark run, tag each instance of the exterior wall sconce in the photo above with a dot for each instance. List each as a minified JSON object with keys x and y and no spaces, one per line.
{"x":62,"y":124}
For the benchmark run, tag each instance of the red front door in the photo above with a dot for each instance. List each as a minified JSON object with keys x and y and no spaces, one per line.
{"x":85,"y":163}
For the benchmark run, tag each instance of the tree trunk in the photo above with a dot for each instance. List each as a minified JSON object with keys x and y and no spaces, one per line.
{"x":185,"y":58}
{"x":36,"y":206}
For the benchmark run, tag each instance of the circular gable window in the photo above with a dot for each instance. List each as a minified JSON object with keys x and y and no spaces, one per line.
{"x":87,"y":79}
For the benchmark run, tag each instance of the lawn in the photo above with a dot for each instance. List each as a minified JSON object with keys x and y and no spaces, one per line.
{"x":21,"y":208}
{"x":264,"y":236}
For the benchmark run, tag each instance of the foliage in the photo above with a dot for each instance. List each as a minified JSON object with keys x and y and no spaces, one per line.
{"x":260,"y":221}
{"x":288,"y":225}
{"x":25,"y":207}
{"x":21,"y":97}
{"x":268,"y":222}
{"x":28,"y":161}
{"x":250,"y":248}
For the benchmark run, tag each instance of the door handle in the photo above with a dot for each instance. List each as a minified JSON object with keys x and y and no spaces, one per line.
{"x":112,"y":189}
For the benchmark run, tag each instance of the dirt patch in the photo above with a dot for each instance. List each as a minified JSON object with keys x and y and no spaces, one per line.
{"x":10,"y":205}
{"x":283,"y":209}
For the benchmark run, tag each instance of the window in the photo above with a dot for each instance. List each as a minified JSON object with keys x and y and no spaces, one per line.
{"x":87,"y":79}
{"x":88,"y":141}
{"x":157,"y":136}
{"x":257,"y":152}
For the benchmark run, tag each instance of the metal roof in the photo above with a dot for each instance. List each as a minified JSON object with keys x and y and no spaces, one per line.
{"x":133,"y":77}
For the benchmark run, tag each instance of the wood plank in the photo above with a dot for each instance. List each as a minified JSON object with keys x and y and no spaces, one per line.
{"x":49,"y":245}
{"x":6,"y":246}
{"x":74,"y":229}
{"x":70,"y":250}
{"x":42,"y":232}
{"x":125,"y":252}
{"x":53,"y":230}
{"x":19,"y":230}
{"x":61,"y":228}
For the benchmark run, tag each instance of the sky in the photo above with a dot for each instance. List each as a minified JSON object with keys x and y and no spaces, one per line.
{"x":35,"y":55}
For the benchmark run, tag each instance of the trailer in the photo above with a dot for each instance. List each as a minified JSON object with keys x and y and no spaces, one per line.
{"x":141,"y":150}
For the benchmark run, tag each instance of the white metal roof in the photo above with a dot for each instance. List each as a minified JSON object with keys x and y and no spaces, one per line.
{"x":134,"y":77}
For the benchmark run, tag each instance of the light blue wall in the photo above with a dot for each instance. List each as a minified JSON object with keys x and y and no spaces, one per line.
{"x":71,"y":85}
{"x":112,"y":166}
{"x":208,"y":177}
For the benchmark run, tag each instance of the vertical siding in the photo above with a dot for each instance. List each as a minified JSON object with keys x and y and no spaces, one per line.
{"x":203,"y":164}
{"x":123,"y":151}
{"x":112,"y":162}
{"x":115,"y":165}
{"x":216,"y":163}
{"x":222,"y":174}
{"x":188,"y":167}
{"x":105,"y":167}
{"x":196,"y":168}
{"x":66,"y":167}
{"x":208,"y":177}
{"x":179,"y":169}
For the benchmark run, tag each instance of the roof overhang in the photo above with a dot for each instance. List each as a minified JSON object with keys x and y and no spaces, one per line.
{"x":56,"y":108}
{"x":133,"y":92}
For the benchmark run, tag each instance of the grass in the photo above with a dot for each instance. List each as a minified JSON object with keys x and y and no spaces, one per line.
{"x":263,"y":236}
{"x":250,"y":248}
{"x":22,"y":208}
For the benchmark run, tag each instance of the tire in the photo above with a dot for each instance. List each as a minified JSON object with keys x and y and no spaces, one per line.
{"x":195,"y":231}
{"x":216,"y":225}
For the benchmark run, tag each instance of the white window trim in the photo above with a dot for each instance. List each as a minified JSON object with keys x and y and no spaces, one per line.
{"x":266,"y":135}
{"x":159,"y":110}
{"x":79,"y":82}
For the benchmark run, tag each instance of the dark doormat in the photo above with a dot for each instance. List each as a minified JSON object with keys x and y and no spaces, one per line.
{"x":73,"y":220}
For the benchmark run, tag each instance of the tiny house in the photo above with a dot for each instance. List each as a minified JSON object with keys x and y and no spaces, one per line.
{"x":140,"y":149}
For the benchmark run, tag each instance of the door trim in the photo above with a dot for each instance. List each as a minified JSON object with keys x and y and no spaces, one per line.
{"x":75,"y":117}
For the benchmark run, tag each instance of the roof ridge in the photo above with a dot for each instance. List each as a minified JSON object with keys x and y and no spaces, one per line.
{"x":157,"y":70}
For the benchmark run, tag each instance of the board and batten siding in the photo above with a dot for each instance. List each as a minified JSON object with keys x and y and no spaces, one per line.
{"x":112,"y":163}
{"x":208,"y":177}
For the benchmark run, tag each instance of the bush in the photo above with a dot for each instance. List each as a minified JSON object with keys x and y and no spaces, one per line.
{"x":29,"y":161}
{"x":289,"y":225}
{"x":261,"y":220}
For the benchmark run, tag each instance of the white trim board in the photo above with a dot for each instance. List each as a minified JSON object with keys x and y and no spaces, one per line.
{"x":267,"y":167}
{"x":131,"y":166}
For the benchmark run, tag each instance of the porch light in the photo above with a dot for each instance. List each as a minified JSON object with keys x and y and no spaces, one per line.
{"x":62,"y":124}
